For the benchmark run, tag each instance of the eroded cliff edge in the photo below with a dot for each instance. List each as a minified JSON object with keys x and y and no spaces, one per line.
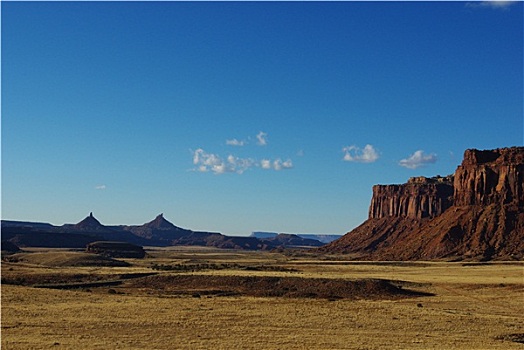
{"x":420,"y":198}
{"x":475,"y":214}
{"x":490,"y":177}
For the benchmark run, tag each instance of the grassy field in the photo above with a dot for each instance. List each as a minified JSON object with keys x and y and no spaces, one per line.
{"x":471,"y":306}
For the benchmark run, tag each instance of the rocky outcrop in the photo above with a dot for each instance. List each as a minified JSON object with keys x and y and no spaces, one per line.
{"x":159,"y":223}
{"x":476,"y":214}
{"x":90,"y":223}
{"x":159,"y":232}
{"x":421,"y":197}
{"x":490,"y":177}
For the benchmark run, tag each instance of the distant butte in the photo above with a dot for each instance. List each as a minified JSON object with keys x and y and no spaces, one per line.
{"x":160,"y":223}
{"x":89,"y":222}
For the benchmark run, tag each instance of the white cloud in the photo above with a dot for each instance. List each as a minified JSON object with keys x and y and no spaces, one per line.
{"x":278,"y":164}
{"x":494,"y":4}
{"x":100,"y":187}
{"x":265,"y":164}
{"x":418,"y":159}
{"x":209,"y":162}
{"x":239,"y":165}
{"x":262,"y":138}
{"x":355,"y":154}
{"x":235,"y":142}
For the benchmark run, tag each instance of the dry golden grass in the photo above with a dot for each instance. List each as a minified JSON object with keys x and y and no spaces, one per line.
{"x":474,"y":307}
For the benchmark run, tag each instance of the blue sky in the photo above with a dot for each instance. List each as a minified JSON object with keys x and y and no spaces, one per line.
{"x":247,"y":116}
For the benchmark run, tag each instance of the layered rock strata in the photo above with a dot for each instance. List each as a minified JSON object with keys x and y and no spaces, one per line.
{"x":490,"y":177}
{"x":421,"y":197}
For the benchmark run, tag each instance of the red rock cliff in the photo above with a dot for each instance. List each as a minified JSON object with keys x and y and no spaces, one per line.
{"x":476,"y":214}
{"x":490,"y":177}
{"x":421,"y":197}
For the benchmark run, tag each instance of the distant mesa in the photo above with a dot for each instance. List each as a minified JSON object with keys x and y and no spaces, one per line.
{"x":292,"y":240}
{"x":263,"y":235}
{"x":321,"y":237}
{"x":476,"y":213}
{"x":286,"y":240}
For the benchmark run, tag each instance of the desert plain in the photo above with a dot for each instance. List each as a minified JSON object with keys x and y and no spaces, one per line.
{"x":203,"y":298}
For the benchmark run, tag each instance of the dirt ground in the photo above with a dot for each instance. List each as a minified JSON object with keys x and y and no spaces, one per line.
{"x":192,"y":299}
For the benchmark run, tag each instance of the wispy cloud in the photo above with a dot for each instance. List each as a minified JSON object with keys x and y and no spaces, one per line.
{"x":100,"y":187}
{"x":494,"y":4}
{"x":210,"y":162}
{"x":235,"y":142}
{"x":239,"y":165}
{"x":262,"y":138}
{"x":276,"y":164}
{"x":418,"y":159}
{"x":280,"y":165}
{"x":366,"y":155}
{"x":217,"y":164}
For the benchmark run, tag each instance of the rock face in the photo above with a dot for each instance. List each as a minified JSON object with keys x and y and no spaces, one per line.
{"x":476,"y":214}
{"x":421,"y":197}
{"x":490,"y":177}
